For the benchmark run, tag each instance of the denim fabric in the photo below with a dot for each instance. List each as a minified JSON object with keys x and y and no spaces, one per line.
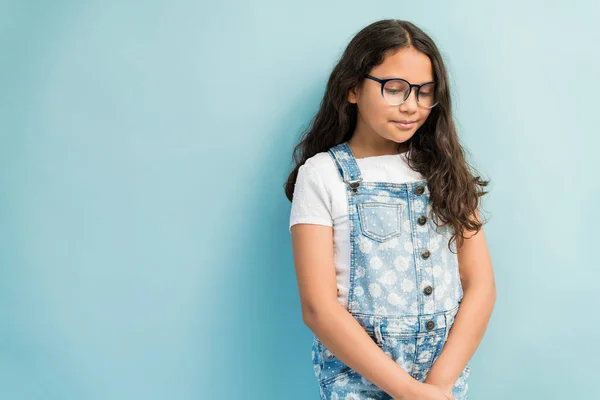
{"x":405,"y":288}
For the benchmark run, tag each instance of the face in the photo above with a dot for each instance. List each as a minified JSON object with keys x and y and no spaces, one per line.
{"x":376,"y":117}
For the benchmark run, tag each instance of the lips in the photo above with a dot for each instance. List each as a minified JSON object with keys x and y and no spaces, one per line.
{"x":404,"y":125}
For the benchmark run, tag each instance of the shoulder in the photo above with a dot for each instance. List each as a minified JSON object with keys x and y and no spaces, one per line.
{"x":319,"y":182}
{"x":323,"y":166}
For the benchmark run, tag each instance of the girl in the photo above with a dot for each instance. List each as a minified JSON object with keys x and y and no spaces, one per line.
{"x":388,"y":245}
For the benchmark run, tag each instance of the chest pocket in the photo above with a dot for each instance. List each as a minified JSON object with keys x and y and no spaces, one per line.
{"x":380,"y":221}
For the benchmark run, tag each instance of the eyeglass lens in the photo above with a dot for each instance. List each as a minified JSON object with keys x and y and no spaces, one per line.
{"x":396,"y":92}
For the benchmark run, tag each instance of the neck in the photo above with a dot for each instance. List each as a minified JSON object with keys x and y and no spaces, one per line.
{"x":369,"y":148}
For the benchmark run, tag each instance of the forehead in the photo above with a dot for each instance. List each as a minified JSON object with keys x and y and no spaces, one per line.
{"x":407,"y":63}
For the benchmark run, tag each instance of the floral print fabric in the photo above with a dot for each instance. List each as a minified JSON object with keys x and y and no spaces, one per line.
{"x":405,"y":287}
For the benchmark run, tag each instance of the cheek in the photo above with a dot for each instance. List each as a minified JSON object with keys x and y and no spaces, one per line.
{"x":374,"y":111}
{"x":423,"y":117}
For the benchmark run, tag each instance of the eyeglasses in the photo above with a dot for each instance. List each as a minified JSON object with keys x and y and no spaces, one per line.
{"x":396,"y":90}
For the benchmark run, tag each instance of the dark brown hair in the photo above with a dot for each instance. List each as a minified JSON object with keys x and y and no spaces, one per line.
{"x":434,"y":149}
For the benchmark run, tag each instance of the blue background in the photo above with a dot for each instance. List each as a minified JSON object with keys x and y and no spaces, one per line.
{"x":144,"y":244}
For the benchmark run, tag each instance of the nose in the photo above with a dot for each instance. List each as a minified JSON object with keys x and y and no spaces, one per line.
{"x":410,"y":105}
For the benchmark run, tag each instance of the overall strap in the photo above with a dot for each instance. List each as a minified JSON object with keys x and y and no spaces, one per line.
{"x":346,"y":164}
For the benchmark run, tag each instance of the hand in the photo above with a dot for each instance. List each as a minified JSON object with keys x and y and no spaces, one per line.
{"x":426,"y":391}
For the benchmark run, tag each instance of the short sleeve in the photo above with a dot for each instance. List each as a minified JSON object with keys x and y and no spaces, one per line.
{"x":311,"y":203}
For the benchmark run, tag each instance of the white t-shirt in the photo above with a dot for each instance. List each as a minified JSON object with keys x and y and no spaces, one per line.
{"x":320,"y":198}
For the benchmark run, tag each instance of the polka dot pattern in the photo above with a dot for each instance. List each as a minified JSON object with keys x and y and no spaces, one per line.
{"x":404,"y":282}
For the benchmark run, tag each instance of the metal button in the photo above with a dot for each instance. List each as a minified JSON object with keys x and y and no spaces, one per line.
{"x":428,"y":290}
{"x":430,"y":325}
{"x":425,"y":254}
{"x":328,"y":355}
{"x":422,"y":220}
{"x":354,"y":185}
{"x":419,"y":190}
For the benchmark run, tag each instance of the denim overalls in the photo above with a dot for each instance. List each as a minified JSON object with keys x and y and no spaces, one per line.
{"x":405,"y":289}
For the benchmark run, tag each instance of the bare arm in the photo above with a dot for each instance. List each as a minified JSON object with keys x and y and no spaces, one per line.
{"x":332,"y":323}
{"x":479,"y":289}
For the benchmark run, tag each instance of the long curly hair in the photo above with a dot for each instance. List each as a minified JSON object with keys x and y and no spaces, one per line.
{"x":434,"y":149}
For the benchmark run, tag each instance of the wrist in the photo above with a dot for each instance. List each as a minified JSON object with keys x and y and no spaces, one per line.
{"x":409,"y":391}
{"x":445,"y":386}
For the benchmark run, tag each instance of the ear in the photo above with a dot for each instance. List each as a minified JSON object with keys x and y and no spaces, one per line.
{"x":353,"y":95}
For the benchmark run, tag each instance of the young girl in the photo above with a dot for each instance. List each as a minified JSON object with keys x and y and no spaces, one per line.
{"x":388,"y":245}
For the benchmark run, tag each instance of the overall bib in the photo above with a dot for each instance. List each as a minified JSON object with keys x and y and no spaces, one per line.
{"x":405,"y":288}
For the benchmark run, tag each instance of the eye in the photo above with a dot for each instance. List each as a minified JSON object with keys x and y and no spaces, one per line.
{"x":393,"y":91}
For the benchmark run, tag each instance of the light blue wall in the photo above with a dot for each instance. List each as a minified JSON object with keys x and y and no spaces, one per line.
{"x":144,"y":245}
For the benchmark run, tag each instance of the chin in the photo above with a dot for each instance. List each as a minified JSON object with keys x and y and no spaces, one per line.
{"x":401,"y":137}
